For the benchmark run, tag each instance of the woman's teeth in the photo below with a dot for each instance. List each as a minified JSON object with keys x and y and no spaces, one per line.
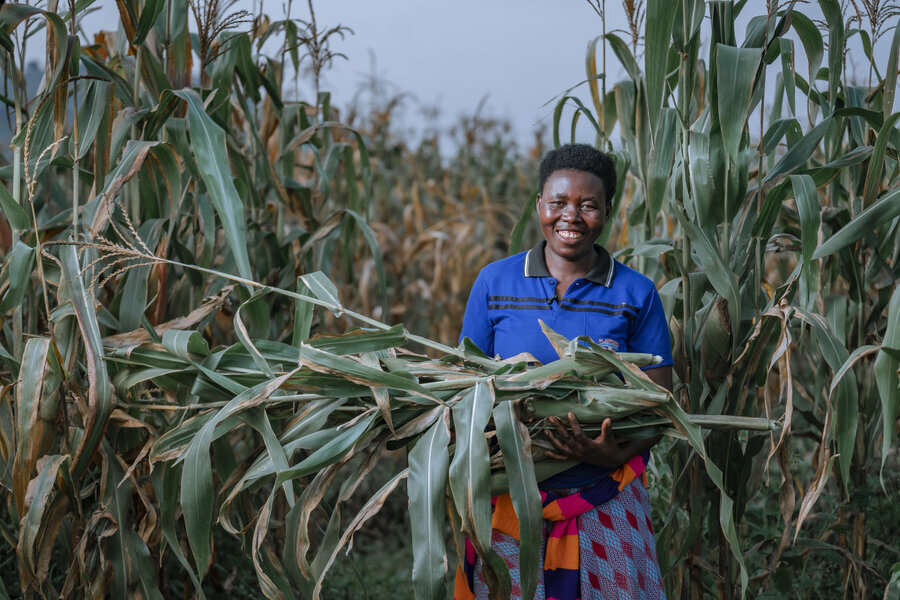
{"x":569,"y":235}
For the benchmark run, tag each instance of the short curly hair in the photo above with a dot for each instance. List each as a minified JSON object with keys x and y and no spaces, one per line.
{"x":580,"y":157}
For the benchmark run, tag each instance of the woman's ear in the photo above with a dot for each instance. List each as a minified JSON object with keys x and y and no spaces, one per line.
{"x":537,"y":203}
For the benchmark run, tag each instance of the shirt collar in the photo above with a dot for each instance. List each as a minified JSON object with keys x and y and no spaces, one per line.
{"x":603,"y":273}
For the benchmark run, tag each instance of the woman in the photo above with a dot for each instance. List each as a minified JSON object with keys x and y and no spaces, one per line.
{"x":577,"y":289}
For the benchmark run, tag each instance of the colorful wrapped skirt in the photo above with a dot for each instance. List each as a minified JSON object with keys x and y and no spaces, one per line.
{"x":616,"y":552}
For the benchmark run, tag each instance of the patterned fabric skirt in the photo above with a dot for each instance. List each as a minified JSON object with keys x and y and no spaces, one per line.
{"x":617,"y":551}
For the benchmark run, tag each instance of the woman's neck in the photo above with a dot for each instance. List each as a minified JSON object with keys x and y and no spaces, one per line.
{"x":561,"y":268}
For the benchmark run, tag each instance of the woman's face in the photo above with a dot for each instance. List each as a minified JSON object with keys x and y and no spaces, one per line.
{"x":572,"y":209}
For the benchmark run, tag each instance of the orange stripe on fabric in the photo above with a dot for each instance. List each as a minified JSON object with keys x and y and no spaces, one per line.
{"x":627,"y":475}
{"x":461,"y":589}
{"x":505,"y":519}
{"x":562,"y":553}
{"x":553,"y":512}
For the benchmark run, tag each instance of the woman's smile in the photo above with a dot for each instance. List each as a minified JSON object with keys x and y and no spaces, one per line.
{"x":568,"y":234}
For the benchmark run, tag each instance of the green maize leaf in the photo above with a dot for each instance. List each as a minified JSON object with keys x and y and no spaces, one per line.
{"x":243,"y":335}
{"x":890,"y":76}
{"x":720,"y":276}
{"x":32,"y":520}
{"x":147,"y":357}
{"x":657,"y":39}
{"x":14,"y":213}
{"x":374,"y":248}
{"x":884,"y":210}
{"x":197,"y":496}
{"x":854,"y":357}
{"x":165,"y":478}
{"x":380,"y":393}
{"x":428,"y":462}
{"x":623,"y":53}
{"x":208,"y":145}
{"x":846,"y":396}
{"x":184,"y":343}
{"x":269,"y":574}
{"x":29,"y":428}
{"x":334,"y":450}
{"x":92,"y":114}
{"x":886,"y":378}
{"x":310,"y":418}
{"x":257,"y":418}
{"x":327,"y":547}
{"x":836,"y":43}
{"x":699,"y":204}
{"x":126,"y":379}
{"x":297,"y":522}
{"x":726,"y":504}
{"x":303,"y":315}
{"x":799,"y":153}
{"x":99,"y":397}
{"x":352,"y":370}
{"x":360,"y":340}
{"x":515,"y":443}
{"x":736,"y":72}
{"x":518,"y":232}
{"x":811,"y":39}
{"x":808,"y":206}
{"x":776,"y":131}
{"x":42,"y":144}
{"x":786,"y":49}
{"x":892,"y":591}
{"x":149,"y":13}
{"x":662,"y":155}
{"x":594,"y":405}
{"x":134,"y":298}
{"x":128,"y":549}
{"x":14,"y":14}
{"x":470,"y":481}
{"x":97,"y":212}
{"x":306,"y":434}
{"x":876,"y":163}
{"x":369,"y":509}
{"x":580,"y":109}
{"x":324,"y":290}
{"x":18,"y":266}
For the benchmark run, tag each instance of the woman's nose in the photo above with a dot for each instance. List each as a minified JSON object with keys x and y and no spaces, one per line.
{"x":570,"y":211}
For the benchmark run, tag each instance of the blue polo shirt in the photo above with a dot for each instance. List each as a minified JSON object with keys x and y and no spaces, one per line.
{"x":614,"y":305}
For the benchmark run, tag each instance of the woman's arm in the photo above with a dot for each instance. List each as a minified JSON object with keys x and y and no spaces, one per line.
{"x":661,"y":376}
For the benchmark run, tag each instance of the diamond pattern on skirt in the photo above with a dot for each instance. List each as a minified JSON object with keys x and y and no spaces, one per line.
{"x":632,"y":520}
{"x":607,"y":569}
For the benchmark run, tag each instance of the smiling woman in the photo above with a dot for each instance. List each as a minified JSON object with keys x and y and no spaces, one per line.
{"x":598,"y":539}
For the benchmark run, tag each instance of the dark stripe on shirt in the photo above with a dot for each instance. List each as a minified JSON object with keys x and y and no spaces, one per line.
{"x":626,"y":313}
{"x":516,"y":299}
{"x":606,"y":304}
{"x":519,"y":307}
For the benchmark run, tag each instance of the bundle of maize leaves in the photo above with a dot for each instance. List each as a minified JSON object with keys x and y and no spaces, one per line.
{"x":329,"y":409}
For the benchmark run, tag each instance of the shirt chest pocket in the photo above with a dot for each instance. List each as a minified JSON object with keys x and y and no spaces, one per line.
{"x":609,"y":331}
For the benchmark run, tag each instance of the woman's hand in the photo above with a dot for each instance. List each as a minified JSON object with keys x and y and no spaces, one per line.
{"x":603,"y":450}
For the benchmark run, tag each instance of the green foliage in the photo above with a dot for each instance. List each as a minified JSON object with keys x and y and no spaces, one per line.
{"x":146,"y":445}
{"x":777,"y":260}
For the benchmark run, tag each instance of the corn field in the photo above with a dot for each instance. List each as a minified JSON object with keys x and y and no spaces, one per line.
{"x":229,"y":304}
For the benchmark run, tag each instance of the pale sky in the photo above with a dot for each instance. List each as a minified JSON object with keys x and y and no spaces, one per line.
{"x":519,"y":54}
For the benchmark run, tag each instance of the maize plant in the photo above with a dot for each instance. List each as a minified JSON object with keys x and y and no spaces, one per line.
{"x":770,"y":219}
{"x":164,"y":393}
